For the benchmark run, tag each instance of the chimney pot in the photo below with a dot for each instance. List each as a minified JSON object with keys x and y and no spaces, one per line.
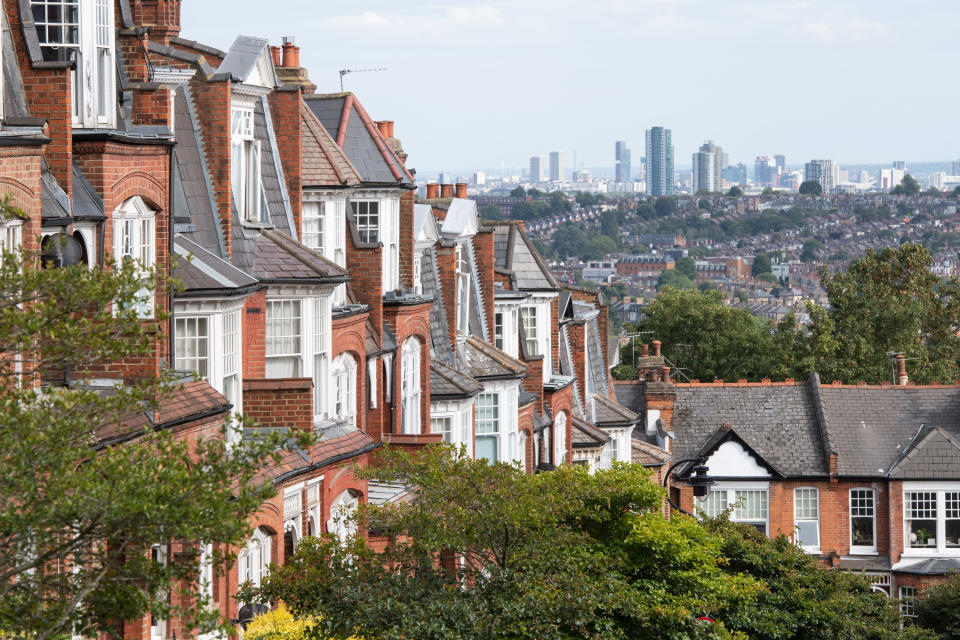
{"x":275,"y":54}
{"x":446,"y":191}
{"x":386,"y":128}
{"x":665,"y":374}
{"x":462,"y":190}
{"x":656,"y":348}
{"x":433,"y":191}
{"x":291,"y":54}
{"x":902,"y":378}
{"x":644,"y":350}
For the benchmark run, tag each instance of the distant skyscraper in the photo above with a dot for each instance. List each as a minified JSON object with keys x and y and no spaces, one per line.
{"x":955,"y":168}
{"x":766,"y":173}
{"x":556,"y":166}
{"x":659,"y":162}
{"x":826,"y":172}
{"x":781,"y":162}
{"x":537,"y":169}
{"x":736,"y":174}
{"x":479,"y":178}
{"x":443,"y":178}
{"x":707,"y":168}
{"x":623,"y":171}
{"x":900,"y":165}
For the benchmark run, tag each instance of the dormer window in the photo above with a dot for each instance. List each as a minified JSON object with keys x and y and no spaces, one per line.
{"x":83,"y":31}
{"x":245,"y":164}
{"x":367,"y":213}
{"x":463,"y":292}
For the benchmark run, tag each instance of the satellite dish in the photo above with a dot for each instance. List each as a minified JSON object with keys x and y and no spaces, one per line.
{"x":60,"y":250}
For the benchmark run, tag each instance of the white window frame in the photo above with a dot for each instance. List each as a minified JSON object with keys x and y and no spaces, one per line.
{"x":908,"y":597}
{"x":343,"y":372}
{"x":801,"y":515}
{"x":940,"y":491}
{"x":498,"y":340}
{"x":410,"y":385}
{"x":560,"y":438}
{"x":313,"y":232}
{"x":205,"y":577}
{"x":463,"y":290}
{"x":444,"y":426}
{"x":135,"y":238}
{"x":342,"y":511}
{"x":528,"y":317}
{"x":158,"y":625}
{"x":418,"y":271}
{"x":253,"y":561}
{"x":11,"y":236}
{"x":730,"y":499}
{"x":368,"y":222}
{"x":870,"y":549}
{"x":322,"y":320}
{"x":284,"y":334}
{"x":489,"y":421}
{"x":245,"y":160}
{"x":193,"y":349}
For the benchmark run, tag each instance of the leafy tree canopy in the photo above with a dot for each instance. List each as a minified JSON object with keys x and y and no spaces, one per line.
{"x":686,"y":266}
{"x":907,"y":187}
{"x":664,"y":206}
{"x":761,"y":264}
{"x":811,"y":188}
{"x":674,"y":279}
{"x":735,"y":192}
{"x":518,"y":192}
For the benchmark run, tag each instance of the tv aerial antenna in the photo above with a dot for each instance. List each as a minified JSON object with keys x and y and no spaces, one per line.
{"x":344,"y":72}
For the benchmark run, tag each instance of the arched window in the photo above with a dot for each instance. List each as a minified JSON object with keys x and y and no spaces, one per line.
{"x":410,"y":385}
{"x":254,"y":559}
{"x":134,"y":239}
{"x":560,"y":438}
{"x":343,"y":515}
{"x":344,"y":374}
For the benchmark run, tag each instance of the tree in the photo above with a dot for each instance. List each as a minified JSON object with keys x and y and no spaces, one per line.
{"x":518,"y":192}
{"x":491,"y":212}
{"x":609,"y":225}
{"x":811,"y":188}
{"x":938,"y":609}
{"x":585,"y":199}
{"x":646,"y":211}
{"x":907,"y":187}
{"x":886,"y":302}
{"x":735,"y":192}
{"x":768,"y":191}
{"x":686,"y":266}
{"x":664,"y":206}
{"x":761,"y":264}
{"x":79,"y":515}
{"x":811,"y":248}
{"x":487,"y":551}
{"x":675,"y":279}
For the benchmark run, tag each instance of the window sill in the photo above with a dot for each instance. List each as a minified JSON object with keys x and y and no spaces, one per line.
{"x":255,"y":225}
{"x":863,"y":552}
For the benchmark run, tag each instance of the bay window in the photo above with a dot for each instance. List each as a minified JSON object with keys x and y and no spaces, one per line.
{"x":253,"y":560}
{"x":11,"y":237}
{"x":321,"y":357}
{"x":367,"y":214}
{"x":313,"y":233}
{"x":134,"y":240}
{"x":344,"y":375}
{"x":284,"y":321}
{"x":488,"y":426}
{"x":806,"y":514}
{"x":410,"y":385}
{"x":932,"y":520}
{"x":863,"y":523}
{"x":443,"y":425}
{"x":343,"y":515}
{"x":245,"y":164}
{"x":231,"y":358}
{"x":418,"y":272}
{"x":560,"y":438}
{"x":749,"y":505}
{"x":192,"y":345}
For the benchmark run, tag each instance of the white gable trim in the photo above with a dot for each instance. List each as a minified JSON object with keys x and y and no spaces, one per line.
{"x":732,"y":460}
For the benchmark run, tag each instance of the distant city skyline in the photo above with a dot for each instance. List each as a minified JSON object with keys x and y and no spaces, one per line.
{"x":862,"y":81}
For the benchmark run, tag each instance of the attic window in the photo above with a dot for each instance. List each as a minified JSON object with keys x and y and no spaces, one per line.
{"x":367,"y":213}
{"x":58,"y":27}
{"x":245,"y":164}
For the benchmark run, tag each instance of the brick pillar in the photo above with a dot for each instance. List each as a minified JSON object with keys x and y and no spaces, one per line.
{"x":162,"y":16}
{"x":554,"y":363}
{"x":255,"y":335}
{"x":576,"y":332}
{"x":447,"y":268}
{"x":406,"y":237}
{"x":279,"y":402}
{"x":213,"y":110}
{"x":533,"y":383}
{"x":365,"y":266}
{"x":285,"y":106}
{"x":483,"y":251}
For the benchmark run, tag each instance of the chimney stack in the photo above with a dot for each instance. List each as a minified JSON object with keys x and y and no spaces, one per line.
{"x":665,"y":374}
{"x":902,"y":378}
{"x":446,"y":191}
{"x":433,"y":191}
{"x":656,"y":348}
{"x":386,"y":128}
{"x":644,"y":350}
{"x":275,"y":54}
{"x":462,"y":190}
{"x":291,"y":54}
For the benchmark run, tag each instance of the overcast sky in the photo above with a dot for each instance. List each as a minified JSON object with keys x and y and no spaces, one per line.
{"x":473,"y":85}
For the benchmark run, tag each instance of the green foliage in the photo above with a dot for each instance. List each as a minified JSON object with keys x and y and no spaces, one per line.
{"x":609,"y":225}
{"x":674,"y":279}
{"x":907,"y":187}
{"x":518,"y":192}
{"x":686,"y":267}
{"x":811,"y":248}
{"x":69,"y":500}
{"x":491,"y":212}
{"x":735,"y":192}
{"x":561,"y":556}
{"x":886,"y":301}
{"x":761,"y":264}
{"x":938,"y":608}
{"x":768,"y":191}
{"x":585,"y":199}
{"x":664,"y":206}
{"x":646,"y":211}
{"x":575,"y":240}
{"x":811,"y":188}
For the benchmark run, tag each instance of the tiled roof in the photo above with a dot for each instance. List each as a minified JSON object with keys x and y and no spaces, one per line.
{"x":279,"y":258}
{"x":648,"y":455}
{"x":324,"y":163}
{"x":440,"y":348}
{"x":243,"y":56}
{"x":199,"y":270}
{"x":610,"y":413}
{"x":514,"y":252}
{"x":193,"y":398}
{"x":325,"y":452}
{"x":933,"y":455}
{"x":348,"y":123}
{"x":483,"y":361}
{"x":450,"y":383}
{"x":587,"y":436}
{"x":86,"y":204}
{"x":54,"y":202}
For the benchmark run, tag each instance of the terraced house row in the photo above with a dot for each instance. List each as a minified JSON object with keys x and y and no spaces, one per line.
{"x":319,"y":293}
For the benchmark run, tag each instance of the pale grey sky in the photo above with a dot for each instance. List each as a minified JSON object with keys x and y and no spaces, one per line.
{"x":474,"y":84}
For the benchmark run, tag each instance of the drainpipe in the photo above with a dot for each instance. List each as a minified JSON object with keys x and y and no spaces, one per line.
{"x":172,"y":168}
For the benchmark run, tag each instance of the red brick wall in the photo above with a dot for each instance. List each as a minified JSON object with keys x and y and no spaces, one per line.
{"x":576,"y":333}
{"x":562,"y":401}
{"x":483,"y":251}
{"x":366,"y":268}
{"x":406,"y":238}
{"x":525,"y":424}
{"x":554,"y":335}
{"x":287,"y":124}
{"x":255,"y":335}
{"x":162,"y":16}
{"x":533,"y":383}
{"x":447,"y":273}
{"x":279,"y":402}
{"x":20,"y":180}
{"x":347,"y":336}
{"x":407,"y":322}
{"x":213,"y":112}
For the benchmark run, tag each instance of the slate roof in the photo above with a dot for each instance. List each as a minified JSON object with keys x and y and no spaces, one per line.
{"x":612,"y":414}
{"x":596,"y":364}
{"x":513,"y":251}
{"x":928,"y":566}
{"x":379,"y":492}
{"x":440,"y":348}
{"x":271,"y":176}
{"x":933,"y":455}
{"x":87,"y":203}
{"x":323,"y":162}
{"x":194,"y":201}
{"x":279,"y":258}
{"x":483,"y":361}
{"x":648,"y":455}
{"x":325,"y":452}
{"x":54,"y":202}
{"x":202,"y":272}
{"x":243,"y":56}
{"x":446,"y":382}
{"x":869,"y":427}
{"x":587,"y":436}
{"x":348,"y":123}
